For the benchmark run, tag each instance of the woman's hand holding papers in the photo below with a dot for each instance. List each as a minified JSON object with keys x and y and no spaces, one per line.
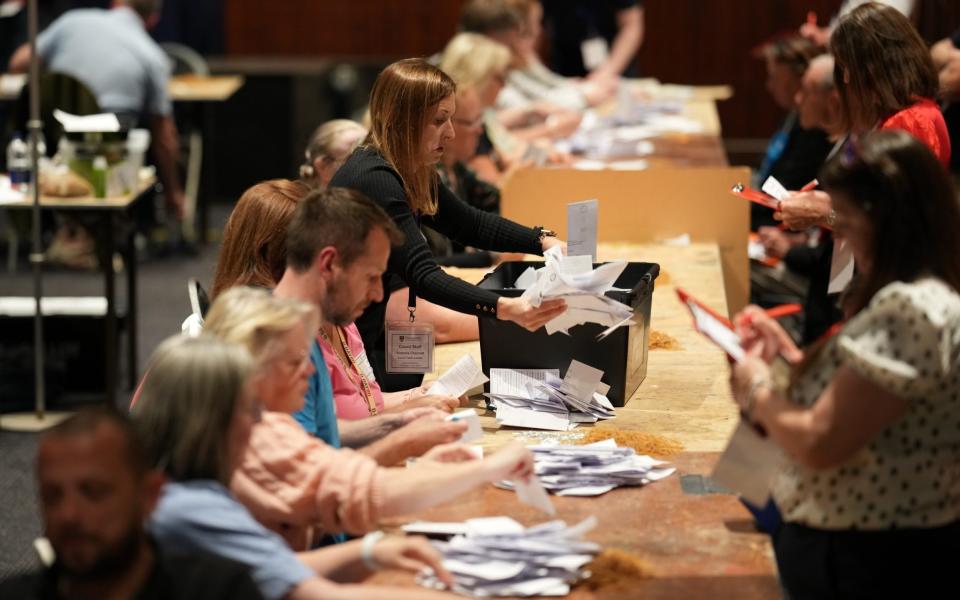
{"x":802,"y":210}
{"x":410,"y":553}
{"x":761,"y":335}
{"x":549,"y":242}
{"x":524,"y":314}
{"x":513,"y":462}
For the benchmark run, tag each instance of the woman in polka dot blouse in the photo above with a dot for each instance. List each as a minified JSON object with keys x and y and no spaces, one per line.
{"x":869,"y":417}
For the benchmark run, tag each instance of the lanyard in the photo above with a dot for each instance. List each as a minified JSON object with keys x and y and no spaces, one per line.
{"x":352,"y":366}
{"x":411,"y":295}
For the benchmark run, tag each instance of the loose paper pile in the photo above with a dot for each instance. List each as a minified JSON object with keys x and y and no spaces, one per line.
{"x":592,"y":469}
{"x":539,"y":399}
{"x":582,"y":287}
{"x":499,"y":557}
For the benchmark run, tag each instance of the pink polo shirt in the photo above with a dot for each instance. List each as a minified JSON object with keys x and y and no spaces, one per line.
{"x":347,"y":392}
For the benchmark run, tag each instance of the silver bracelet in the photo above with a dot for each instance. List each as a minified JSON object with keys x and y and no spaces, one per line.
{"x":366,"y":549}
{"x":831,"y":218}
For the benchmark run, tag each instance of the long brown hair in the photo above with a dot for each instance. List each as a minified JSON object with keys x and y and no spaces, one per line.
{"x":914,"y":216}
{"x":254,"y":249}
{"x":888,"y":63}
{"x":402,"y":99}
{"x":912,"y":208}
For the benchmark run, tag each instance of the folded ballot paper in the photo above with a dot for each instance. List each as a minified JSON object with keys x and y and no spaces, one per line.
{"x":496,"y":556}
{"x":574,"y":279}
{"x":592,"y":469}
{"x":539,"y":399}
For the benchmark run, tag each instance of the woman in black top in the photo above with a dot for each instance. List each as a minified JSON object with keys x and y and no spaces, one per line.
{"x":411,"y":106}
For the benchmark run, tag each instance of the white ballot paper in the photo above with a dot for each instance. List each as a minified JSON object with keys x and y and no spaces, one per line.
{"x":465,"y":375}
{"x":101,"y":123}
{"x":582,"y":228}
{"x":542,"y":560}
{"x":474,"y":431}
{"x":773,"y":187}
{"x":841,"y":267}
{"x":748,"y":464}
{"x":531,"y":492}
{"x":583,"y":291}
{"x":718,"y":333}
{"x":592,"y":469}
{"x":539,"y":399}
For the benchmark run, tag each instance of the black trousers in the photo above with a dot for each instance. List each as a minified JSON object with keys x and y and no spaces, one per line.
{"x":849,"y":564}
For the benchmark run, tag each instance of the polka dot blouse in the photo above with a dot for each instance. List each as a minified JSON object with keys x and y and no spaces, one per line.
{"x":907,"y":341}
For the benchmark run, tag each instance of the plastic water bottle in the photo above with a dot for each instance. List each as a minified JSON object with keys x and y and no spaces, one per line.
{"x":18,"y":163}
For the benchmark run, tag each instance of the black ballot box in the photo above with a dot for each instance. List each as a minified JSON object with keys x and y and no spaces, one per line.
{"x":622,"y":355}
{"x":75,"y":360}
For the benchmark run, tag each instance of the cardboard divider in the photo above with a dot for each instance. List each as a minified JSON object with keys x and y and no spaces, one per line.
{"x":645,"y":206}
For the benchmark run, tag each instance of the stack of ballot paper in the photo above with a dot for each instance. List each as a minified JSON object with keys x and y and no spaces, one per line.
{"x":582,"y":287}
{"x":592,"y":469}
{"x":539,"y":399}
{"x":497,"y":556}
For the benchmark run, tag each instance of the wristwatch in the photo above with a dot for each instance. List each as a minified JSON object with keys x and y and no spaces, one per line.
{"x":543,"y":232}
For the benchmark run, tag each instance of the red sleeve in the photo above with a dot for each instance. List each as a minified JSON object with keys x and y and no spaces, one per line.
{"x":924,"y":121}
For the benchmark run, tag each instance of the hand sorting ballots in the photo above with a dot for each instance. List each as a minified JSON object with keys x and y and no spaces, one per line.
{"x":803,"y":210}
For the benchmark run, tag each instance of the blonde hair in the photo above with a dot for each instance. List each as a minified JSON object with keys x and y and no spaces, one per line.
{"x":187,"y":403}
{"x":471,"y":59}
{"x":254,"y":318}
{"x":324,"y":141}
{"x":401,"y":101}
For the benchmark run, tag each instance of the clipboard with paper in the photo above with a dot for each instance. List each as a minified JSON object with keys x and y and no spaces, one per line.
{"x":715,"y":327}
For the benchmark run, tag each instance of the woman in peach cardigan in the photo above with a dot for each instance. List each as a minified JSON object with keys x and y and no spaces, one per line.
{"x":295,"y":484}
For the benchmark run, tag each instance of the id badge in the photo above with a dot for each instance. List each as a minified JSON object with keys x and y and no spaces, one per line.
{"x":594,"y":52}
{"x":409,"y":347}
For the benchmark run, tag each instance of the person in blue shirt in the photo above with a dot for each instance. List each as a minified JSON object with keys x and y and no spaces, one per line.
{"x":195,"y":415}
{"x":318,"y":416}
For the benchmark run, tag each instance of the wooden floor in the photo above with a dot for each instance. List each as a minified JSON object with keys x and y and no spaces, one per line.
{"x":696,"y":545}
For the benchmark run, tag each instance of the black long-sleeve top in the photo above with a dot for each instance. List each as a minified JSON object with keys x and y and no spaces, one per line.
{"x":366,"y":171}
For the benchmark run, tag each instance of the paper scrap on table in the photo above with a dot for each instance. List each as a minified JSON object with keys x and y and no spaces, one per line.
{"x":748,"y":464}
{"x":717,"y":332}
{"x":679,"y":241}
{"x":842,"y":267}
{"x":592,"y":469}
{"x":464,"y":375}
{"x":773,"y":187}
{"x":629,"y":165}
{"x":100,"y":123}
{"x":470,"y":417}
{"x":582,"y":228}
{"x":584,"y":292}
{"x":541,"y":560}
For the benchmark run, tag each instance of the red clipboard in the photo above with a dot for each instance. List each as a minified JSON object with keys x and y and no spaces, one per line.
{"x":755,"y":196}
{"x":687,"y":300}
